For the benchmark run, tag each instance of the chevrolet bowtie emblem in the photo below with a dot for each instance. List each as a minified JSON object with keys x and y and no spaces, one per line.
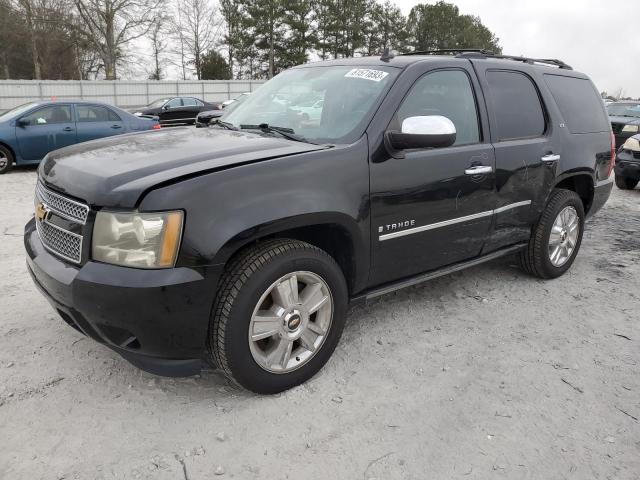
{"x":41,"y":211}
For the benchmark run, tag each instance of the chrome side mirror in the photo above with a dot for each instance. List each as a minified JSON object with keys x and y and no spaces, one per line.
{"x":432,"y":131}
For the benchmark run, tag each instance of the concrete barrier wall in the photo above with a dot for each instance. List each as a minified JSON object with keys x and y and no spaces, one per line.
{"x":125,"y":94}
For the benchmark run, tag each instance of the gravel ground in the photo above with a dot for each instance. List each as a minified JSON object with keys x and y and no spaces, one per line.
{"x":486,"y":373}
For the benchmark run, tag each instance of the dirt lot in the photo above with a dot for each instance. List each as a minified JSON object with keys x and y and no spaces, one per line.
{"x":486,"y":373}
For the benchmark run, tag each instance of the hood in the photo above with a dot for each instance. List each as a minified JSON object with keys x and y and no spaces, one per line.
{"x":117,"y":171}
{"x":625,"y":120}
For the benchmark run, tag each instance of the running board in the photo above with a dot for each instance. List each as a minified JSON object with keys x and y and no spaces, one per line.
{"x":423,"y":277}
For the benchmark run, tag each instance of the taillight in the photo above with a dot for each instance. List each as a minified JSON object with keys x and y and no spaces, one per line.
{"x":156,"y":126}
{"x":612,"y":161}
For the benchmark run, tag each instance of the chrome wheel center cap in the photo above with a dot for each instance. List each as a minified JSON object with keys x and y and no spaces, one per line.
{"x":563,"y":236}
{"x":292,"y":320}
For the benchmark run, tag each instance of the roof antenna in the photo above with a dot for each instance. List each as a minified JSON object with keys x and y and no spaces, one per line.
{"x":387,"y":54}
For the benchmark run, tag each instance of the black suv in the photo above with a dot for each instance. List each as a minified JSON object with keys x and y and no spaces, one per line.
{"x":243,"y":244}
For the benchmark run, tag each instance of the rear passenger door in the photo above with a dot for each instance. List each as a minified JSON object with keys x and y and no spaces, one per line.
{"x":96,"y":121}
{"x":526,"y":149}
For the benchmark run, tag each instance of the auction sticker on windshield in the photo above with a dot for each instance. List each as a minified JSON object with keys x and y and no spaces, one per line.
{"x":367,"y":74}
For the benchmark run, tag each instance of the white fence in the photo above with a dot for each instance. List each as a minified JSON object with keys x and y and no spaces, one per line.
{"x":125,"y":94}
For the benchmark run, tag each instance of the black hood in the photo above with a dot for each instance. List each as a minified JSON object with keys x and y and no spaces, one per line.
{"x":116,"y":171}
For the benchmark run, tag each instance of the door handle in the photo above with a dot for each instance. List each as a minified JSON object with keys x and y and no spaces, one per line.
{"x":116,"y":126}
{"x":478,"y":170}
{"x":551,"y":157}
{"x":67,"y":129}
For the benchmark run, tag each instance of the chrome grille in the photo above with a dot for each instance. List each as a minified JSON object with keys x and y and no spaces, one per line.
{"x":63,"y":243}
{"x":66,"y":244}
{"x":63,"y":206}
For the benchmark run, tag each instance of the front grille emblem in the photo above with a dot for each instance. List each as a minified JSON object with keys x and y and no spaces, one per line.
{"x":41,"y":211}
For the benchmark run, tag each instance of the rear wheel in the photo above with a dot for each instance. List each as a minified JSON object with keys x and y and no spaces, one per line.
{"x":278,"y":316}
{"x":556,"y":238}
{"x":626,"y":183}
{"x":6,"y":159}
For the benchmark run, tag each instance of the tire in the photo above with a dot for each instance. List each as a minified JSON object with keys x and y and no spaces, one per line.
{"x":626,"y":183}
{"x":6,"y":160}
{"x":538,"y":258}
{"x":247,"y":288}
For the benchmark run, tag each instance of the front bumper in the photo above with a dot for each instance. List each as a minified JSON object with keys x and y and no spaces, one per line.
{"x":156,"y":319}
{"x":627,"y":165}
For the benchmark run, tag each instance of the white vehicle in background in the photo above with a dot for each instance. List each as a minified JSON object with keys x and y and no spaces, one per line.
{"x":310,"y":111}
{"x":226,"y":103}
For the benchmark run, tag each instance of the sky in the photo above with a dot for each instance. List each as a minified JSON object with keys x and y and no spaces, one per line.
{"x":598,"y":37}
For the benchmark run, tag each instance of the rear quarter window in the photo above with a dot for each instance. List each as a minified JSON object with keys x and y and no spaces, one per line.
{"x":579,"y":103}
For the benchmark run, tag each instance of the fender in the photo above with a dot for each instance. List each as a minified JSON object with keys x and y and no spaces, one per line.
{"x":226,"y":210}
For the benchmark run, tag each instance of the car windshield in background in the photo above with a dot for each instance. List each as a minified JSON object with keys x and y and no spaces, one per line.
{"x":14,"y":112}
{"x":624,"y":110}
{"x":321,"y":104}
{"x":158,"y":103}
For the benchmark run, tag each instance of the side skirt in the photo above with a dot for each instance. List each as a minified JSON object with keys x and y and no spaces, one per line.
{"x":423,"y":277}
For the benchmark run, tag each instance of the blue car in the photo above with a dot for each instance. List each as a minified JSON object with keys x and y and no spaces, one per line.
{"x":30,"y":131}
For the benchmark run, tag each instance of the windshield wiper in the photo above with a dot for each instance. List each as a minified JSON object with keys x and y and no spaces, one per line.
{"x":287,"y":133}
{"x":223,"y":124}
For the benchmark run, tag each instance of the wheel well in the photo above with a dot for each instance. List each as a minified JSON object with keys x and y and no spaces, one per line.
{"x":582,"y":185}
{"x":332,"y":238}
{"x":10,"y":150}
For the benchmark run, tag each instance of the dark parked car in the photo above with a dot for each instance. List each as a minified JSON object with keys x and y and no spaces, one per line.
{"x":30,"y":131}
{"x":628,"y":164}
{"x":625,"y":120}
{"x":204,"y":118}
{"x":244,"y":243}
{"x":177,"y":110}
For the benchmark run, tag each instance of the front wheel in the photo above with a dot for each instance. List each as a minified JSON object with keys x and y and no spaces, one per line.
{"x":6,"y":159}
{"x":556,"y":238}
{"x":278,"y":315}
{"x":626,"y":183}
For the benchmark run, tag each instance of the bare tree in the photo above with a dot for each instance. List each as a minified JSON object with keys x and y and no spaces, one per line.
{"x":28,"y":10}
{"x":111,"y":25}
{"x":158,"y":45}
{"x":618,"y":93}
{"x":196,"y":30}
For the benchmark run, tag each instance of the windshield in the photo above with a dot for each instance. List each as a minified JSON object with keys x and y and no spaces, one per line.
{"x":14,"y":112}
{"x":321,"y":104}
{"x":158,"y":103}
{"x":624,"y":110}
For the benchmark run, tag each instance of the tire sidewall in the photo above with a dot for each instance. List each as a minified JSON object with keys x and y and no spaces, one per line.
{"x":10,"y":160}
{"x":240,"y":361}
{"x":549,"y":268}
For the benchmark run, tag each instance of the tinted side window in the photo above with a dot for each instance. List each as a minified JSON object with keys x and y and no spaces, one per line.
{"x":176,"y":102}
{"x":94,"y":113}
{"x":447,"y":93}
{"x":516,"y":104}
{"x":189,"y":102}
{"x":50,"y":115}
{"x":579,"y":103}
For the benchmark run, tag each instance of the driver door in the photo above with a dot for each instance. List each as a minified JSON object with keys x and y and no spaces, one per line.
{"x":44,"y":130}
{"x":429,"y":209}
{"x":171,"y":111}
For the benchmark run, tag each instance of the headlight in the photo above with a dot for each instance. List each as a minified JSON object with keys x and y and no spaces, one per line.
{"x":137,"y":114}
{"x":632,"y":144}
{"x":630,"y":128}
{"x":142,"y":240}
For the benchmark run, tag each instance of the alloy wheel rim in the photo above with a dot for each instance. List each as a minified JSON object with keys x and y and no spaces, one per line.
{"x":3,"y":161}
{"x":564,"y":236}
{"x":290,"y":322}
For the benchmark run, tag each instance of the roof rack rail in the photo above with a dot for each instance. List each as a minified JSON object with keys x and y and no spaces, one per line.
{"x":481,"y":53}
